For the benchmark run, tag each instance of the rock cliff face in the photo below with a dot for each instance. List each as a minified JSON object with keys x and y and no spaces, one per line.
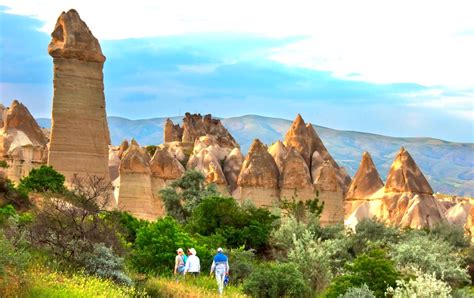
{"x":278,"y":151}
{"x":79,"y":134}
{"x":134,"y":191}
{"x":406,"y":199}
{"x":22,"y":142}
{"x":195,"y":126}
{"x":297,"y":137}
{"x":295,"y":179}
{"x":258,"y":179}
{"x":232,"y":165}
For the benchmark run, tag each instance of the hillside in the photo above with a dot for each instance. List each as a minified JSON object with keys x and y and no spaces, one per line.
{"x":449,"y":166}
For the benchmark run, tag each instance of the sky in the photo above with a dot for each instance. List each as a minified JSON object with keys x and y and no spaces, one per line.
{"x":397,"y":68}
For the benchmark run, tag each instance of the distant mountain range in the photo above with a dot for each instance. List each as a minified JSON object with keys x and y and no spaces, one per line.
{"x":448,"y":166}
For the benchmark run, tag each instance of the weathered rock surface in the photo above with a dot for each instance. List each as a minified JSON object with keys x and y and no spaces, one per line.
{"x":405,"y":200}
{"x":297,"y":137}
{"x":122,"y":148}
{"x":165,"y":166}
{"x":459,"y":213}
{"x":79,"y":134}
{"x":405,"y":176}
{"x":135,"y":190}
{"x":366,"y":180}
{"x":114,"y":164}
{"x":195,"y":126}
{"x":232,"y":165}
{"x":295,"y":172}
{"x":258,"y":178}
{"x":22,"y":142}
{"x":278,"y":151}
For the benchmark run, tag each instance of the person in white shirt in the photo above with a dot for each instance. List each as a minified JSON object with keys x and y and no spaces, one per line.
{"x":193,"y":265}
{"x":220,"y":265}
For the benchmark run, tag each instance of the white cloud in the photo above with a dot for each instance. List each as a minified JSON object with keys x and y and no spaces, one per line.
{"x":425,"y":42}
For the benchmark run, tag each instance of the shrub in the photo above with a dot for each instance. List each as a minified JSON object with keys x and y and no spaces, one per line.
{"x":276,"y":280}
{"x":312,"y":260}
{"x":102,"y":261}
{"x":69,"y":224}
{"x":282,"y":238}
{"x":371,"y":233}
{"x":248,"y":225}
{"x":300,"y":210}
{"x":423,"y":286}
{"x":127,"y":224}
{"x":13,"y":263}
{"x":14,"y":196}
{"x":429,"y":255}
{"x":185,"y":194}
{"x":359,"y":292}
{"x":43,"y":179}
{"x":242,"y":263}
{"x":371,"y":268}
{"x":451,"y":233}
{"x":156,"y":245}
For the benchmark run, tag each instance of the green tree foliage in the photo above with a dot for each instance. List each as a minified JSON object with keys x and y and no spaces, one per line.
{"x":276,"y":280}
{"x":14,"y":196}
{"x":300,"y":210}
{"x":127,"y":224}
{"x":43,"y":179}
{"x":14,"y":259}
{"x":451,"y":233}
{"x":242,"y":264}
{"x":156,"y":245}
{"x":185,"y":194}
{"x":371,"y":268}
{"x":423,"y":286}
{"x":419,"y":251}
{"x":247,"y":225}
{"x":358,"y":292}
{"x":151,"y":149}
{"x":371,"y":233}
{"x":312,"y":260}
{"x":3,"y":164}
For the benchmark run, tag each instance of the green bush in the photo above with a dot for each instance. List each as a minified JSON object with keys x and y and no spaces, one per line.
{"x":13,"y":195}
{"x":371,"y":268}
{"x":418,"y":250}
{"x":312,"y":260}
{"x":371,"y":233}
{"x":242,"y":263}
{"x":276,"y":280}
{"x":451,"y":233}
{"x":424,"y":285}
{"x":282,"y":238}
{"x":185,"y":194}
{"x":359,"y":292}
{"x":13,"y":263}
{"x":248,"y":225}
{"x":127,"y":225}
{"x":43,"y":179}
{"x":102,"y":261}
{"x":156,"y":245}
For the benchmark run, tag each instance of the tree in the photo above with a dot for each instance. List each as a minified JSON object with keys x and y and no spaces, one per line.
{"x":276,"y":280}
{"x":185,"y":194}
{"x":300,"y":210}
{"x":247,"y":225}
{"x":372,"y":233}
{"x":371,"y":268}
{"x":423,"y":286}
{"x":43,"y":179}
{"x":156,"y":245}
{"x":68,"y":224}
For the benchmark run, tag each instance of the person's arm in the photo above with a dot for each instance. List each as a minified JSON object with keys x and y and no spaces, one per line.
{"x":227,"y":268}
{"x":186,"y":267}
{"x":198,"y":264}
{"x":213,"y":267}
{"x":176,"y":264}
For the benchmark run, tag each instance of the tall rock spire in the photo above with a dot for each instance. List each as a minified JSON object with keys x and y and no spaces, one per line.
{"x":405,"y":176}
{"x":79,"y":133}
{"x":366,"y":181}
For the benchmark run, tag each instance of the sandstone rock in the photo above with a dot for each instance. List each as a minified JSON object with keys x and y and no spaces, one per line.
{"x":72,"y":39}
{"x":297,"y":137}
{"x":459,"y":213}
{"x":172,"y":133}
{"x":232,"y":166}
{"x":79,"y":134}
{"x":164,"y":165}
{"x":278,"y":151}
{"x":114,"y":164}
{"x":295,"y":172}
{"x":208,"y":164}
{"x":135,"y":188}
{"x":366,"y":181}
{"x":329,"y":191}
{"x":326,"y":178}
{"x":405,"y":176}
{"x":122,"y":148}
{"x":22,"y":142}
{"x":258,"y":178}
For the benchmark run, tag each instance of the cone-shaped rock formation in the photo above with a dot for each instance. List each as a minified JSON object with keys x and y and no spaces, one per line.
{"x":232,"y":166}
{"x":366,"y":181}
{"x":279,"y":152}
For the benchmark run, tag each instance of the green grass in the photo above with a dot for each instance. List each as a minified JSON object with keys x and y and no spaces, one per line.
{"x":202,"y":286}
{"x":46,"y":283}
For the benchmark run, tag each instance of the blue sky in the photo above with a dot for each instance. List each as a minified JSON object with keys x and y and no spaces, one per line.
{"x":374,"y":72}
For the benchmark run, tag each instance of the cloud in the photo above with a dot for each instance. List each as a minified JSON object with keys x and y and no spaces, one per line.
{"x":423,"y":42}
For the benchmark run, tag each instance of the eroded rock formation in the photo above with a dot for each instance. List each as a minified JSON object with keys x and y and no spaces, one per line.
{"x":295,"y":179}
{"x":405,"y":202}
{"x":22,"y":142}
{"x":79,"y":133}
{"x":232,"y":165}
{"x":258,"y":179}
{"x":278,"y":151}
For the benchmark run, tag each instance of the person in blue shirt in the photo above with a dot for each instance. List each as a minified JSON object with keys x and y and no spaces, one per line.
{"x":220,"y":265}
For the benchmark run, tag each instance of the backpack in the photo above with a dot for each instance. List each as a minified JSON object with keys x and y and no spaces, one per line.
{"x":185,"y":259}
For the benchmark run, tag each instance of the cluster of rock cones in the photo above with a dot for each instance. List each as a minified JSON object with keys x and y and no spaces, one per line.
{"x":300,"y":166}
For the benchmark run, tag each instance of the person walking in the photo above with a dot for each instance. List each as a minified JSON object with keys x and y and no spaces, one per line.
{"x":220,"y":265}
{"x":193,"y":265}
{"x":179,"y":261}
